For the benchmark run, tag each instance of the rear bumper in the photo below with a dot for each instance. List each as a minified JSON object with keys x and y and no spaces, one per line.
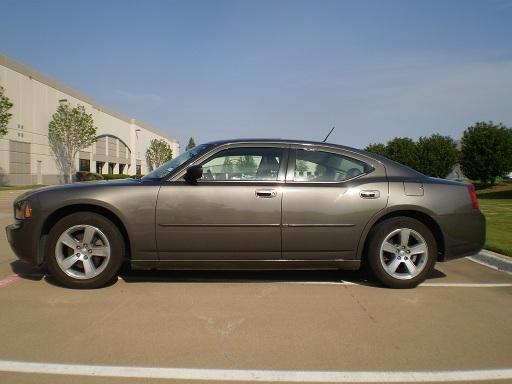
{"x":22,"y":241}
{"x":464,"y":234}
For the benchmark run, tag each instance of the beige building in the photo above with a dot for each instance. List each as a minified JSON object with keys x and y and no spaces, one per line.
{"x":25,"y":155}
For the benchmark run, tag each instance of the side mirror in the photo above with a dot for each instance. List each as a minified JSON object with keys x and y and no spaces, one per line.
{"x":194,"y":173}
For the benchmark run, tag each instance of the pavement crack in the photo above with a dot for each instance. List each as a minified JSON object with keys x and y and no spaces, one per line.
{"x":361,"y":305}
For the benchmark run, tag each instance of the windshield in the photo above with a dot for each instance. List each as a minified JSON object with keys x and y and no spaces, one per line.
{"x":165,"y":169}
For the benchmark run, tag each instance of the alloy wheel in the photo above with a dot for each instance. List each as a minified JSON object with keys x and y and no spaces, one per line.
{"x":404,"y":253}
{"x":82,"y":251}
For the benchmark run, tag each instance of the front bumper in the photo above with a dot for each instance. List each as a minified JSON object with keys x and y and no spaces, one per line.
{"x":464,"y":234}
{"x":22,"y":241}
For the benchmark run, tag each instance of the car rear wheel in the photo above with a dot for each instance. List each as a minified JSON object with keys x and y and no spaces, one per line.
{"x":84,"y":250}
{"x":401,"y":252}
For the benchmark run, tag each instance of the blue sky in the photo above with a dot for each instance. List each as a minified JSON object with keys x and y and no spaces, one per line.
{"x":291,"y":69}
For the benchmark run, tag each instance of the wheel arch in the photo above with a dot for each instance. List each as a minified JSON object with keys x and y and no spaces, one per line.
{"x":422,"y":217}
{"x":85,"y":207}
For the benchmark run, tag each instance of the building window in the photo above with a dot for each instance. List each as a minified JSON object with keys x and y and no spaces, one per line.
{"x":121,"y":168}
{"x":111,"y":168}
{"x":85,"y":165}
{"x":99,"y":167}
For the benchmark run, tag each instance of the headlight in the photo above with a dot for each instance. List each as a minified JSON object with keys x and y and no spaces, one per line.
{"x":22,"y":210}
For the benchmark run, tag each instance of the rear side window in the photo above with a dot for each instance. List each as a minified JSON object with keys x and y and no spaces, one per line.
{"x":320,"y":166}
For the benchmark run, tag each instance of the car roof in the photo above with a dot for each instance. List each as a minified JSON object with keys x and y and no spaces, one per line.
{"x":287,"y":141}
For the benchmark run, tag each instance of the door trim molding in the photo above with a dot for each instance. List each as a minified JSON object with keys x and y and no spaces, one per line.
{"x":318,"y":225}
{"x":218,"y":225}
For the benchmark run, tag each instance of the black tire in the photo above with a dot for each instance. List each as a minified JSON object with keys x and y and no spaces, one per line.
{"x":402,"y":277}
{"x":107,"y":267}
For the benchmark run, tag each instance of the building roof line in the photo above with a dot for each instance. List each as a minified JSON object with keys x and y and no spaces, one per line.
{"x":42,"y":78}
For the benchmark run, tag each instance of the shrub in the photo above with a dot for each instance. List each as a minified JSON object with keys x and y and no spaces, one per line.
{"x":88,"y":176}
{"x":486,"y":151}
{"x":116,"y":177}
{"x":437,"y":155}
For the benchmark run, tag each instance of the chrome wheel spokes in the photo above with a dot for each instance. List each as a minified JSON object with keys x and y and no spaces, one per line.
{"x":82,"y":251}
{"x":404,"y":253}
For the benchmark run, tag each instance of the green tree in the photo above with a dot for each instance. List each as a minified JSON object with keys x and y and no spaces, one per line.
{"x":437,"y":155}
{"x":158,"y":152}
{"x":377,"y":148}
{"x":486,"y":151}
{"x":70,"y":130}
{"x":227,"y":166}
{"x":5,"y":116}
{"x":247,"y":165}
{"x":403,"y":150}
{"x":191,"y":144}
{"x":320,"y":170}
{"x":301,"y":167}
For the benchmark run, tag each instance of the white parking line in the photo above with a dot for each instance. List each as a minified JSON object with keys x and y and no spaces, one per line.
{"x":14,"y":278}
{"x":312,"y":282}
{"x":255,"y":375}
{"x":466,"y":285}
{"x":8,"y":280}
{"x":447,"y":285}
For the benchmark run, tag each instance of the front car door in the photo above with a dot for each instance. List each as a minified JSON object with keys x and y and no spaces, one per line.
{"x":234,"y":211}
{"x":329,"y":197}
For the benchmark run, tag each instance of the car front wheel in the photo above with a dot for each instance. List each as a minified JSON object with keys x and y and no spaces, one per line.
{"x":402,"y":252}
{"x":84,"y":250}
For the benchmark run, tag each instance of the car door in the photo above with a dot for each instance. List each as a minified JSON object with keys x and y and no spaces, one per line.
{"x":329,"y":197}
{"x":234,"y":211}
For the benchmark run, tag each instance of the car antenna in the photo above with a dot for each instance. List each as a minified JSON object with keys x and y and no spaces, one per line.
{"x":329,"y":134}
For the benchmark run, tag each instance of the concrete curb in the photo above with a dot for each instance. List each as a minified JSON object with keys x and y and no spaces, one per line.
{"x":493,"y":260}
{"x":496,"y":255}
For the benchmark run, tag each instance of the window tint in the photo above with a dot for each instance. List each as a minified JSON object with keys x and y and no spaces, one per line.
{"x":244,"y":164}
{"x":324,"y":166}
{"x":166,"y":169}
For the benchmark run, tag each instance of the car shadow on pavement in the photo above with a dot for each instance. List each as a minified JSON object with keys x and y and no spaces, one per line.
{"x":361,"y":277}
{"x":228,"y":276}
{"x":27,"y":271}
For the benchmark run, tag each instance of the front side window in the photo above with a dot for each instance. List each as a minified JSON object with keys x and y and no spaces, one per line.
{"x":166,"y":169}
{"x":243,"y":164}
{"x":319,"y":166}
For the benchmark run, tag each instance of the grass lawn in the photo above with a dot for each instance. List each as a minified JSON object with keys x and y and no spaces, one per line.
{"x":496,"y":204}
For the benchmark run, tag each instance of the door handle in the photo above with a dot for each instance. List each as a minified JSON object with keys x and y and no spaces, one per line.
{"x":369,"y":194}
{"x":265,"y":193}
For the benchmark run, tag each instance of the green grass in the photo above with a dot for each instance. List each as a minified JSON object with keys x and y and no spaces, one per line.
{"x":496,"y":204}
{"x":20,"y":187}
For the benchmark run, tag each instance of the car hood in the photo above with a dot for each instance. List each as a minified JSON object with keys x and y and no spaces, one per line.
{"x":77,"y":186}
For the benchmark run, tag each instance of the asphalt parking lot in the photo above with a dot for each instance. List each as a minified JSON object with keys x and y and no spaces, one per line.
{"x":253,"y":326}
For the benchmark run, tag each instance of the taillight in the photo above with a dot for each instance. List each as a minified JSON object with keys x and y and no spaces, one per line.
{"x":473,"y":196}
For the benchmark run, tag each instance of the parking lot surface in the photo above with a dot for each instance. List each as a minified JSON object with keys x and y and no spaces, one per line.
{"x":249,"y":326}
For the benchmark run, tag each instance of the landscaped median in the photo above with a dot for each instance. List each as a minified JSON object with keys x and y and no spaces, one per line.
{"x":496,"y":204}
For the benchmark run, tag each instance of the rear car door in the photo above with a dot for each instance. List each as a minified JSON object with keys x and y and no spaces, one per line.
{"x":234,"y":211}
{"x":329,"y":197}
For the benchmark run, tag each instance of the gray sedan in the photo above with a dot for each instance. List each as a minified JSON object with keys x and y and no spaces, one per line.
{"x":252,"y":204}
